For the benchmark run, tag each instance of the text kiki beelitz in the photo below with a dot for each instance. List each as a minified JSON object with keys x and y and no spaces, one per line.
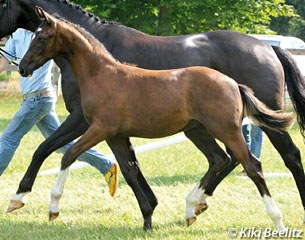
{"x":265,"y":233}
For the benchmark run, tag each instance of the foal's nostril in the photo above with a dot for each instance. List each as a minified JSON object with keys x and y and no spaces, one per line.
{"x":21,"y":71}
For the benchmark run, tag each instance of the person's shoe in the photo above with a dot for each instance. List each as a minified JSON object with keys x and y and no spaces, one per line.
{"x":112,"y":179}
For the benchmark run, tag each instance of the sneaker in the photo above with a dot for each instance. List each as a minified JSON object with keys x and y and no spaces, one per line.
{"x":112,"y":179}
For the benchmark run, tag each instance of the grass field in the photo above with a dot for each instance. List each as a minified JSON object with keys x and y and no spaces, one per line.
{"x":88,"y":211}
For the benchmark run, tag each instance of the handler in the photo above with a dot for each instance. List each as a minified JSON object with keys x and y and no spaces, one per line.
{"x":38,"y":108}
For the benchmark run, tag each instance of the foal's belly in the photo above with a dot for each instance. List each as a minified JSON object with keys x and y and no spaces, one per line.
{"x":145,"y":128}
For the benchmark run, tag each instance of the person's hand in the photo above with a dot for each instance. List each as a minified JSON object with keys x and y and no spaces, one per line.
{"x":3,"y":64}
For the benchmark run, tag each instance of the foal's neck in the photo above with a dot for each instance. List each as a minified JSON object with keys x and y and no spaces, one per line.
{"x":84,"y":53}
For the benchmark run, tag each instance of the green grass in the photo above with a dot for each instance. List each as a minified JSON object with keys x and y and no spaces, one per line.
{"x":88,"y":212}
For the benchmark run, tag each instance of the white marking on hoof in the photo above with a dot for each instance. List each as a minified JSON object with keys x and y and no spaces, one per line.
{"x":57,"y":191}
{"x":194,"y":200}
{"x":274,"y":212}
{"x":19,"y":196}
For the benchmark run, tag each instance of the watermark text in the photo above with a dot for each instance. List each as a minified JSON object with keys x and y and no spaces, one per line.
{"x":265,"y":233}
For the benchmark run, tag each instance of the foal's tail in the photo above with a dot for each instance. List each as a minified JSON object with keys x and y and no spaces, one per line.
{"x":261,"y":115}
{"x":295,"y":84}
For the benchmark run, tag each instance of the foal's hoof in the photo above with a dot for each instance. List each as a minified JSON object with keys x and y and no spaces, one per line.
{"x":14,"y":205}
{"x":190,"y":221}
{"x":53,"y":215}
{"x":202,"y":207}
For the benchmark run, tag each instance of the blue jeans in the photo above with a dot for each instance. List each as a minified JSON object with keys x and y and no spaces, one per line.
{"x":40,"y":110}
{"x":254,"y":138}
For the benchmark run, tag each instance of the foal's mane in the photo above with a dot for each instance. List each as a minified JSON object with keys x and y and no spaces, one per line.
{"x":89,"y":37}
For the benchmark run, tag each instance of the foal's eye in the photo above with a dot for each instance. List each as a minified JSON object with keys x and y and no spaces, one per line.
{"x":41,"y":38}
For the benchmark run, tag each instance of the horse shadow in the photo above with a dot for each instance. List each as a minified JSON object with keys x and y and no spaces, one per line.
{"x":54,"y":230}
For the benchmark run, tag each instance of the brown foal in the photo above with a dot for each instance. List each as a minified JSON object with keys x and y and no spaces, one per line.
{"x":123,"y":100}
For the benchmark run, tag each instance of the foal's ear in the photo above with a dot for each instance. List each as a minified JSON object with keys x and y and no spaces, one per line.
{"x":44,"y":16}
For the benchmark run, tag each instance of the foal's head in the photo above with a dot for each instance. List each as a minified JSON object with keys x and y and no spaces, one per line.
{"x":44,"y":45}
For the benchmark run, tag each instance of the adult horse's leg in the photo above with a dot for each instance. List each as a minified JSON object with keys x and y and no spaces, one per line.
{"x":73,"y":127}
{"x":129,"y":165}
{"x":217,"y":159}
{"x":291,"y":156}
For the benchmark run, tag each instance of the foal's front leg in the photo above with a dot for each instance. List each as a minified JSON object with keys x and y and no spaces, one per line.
{"x":129,"y":165}
{"x":73,"y":127}
{"x":91,"y":137}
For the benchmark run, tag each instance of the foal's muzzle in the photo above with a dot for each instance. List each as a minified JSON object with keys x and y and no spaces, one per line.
{"x":24,"y":72}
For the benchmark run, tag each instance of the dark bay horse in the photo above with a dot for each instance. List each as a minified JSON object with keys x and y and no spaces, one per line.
{"x":123,"y":100}
{"x":263,"y":68}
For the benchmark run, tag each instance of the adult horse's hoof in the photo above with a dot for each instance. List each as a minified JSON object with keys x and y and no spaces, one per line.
{"x":190,"y":221}
{"x":53,"y":215}
{"x":147,"y":224}
{"x":147,"y":228}
{"x":202,"y":207}
{"x":14,"y":205}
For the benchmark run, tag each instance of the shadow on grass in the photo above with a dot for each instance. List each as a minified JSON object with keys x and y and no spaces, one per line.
{"x":70,"y":230}
{"x":169,"y":180}
{"x":172,"y":180}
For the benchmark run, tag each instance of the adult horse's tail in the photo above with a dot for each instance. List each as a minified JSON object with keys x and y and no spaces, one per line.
{"x":261,"y":115}
{"x":295,"y":84}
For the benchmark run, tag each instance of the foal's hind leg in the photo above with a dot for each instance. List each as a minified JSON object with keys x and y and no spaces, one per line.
{"x":218,"y":159}
{"x":253,"y":169}
{"x":211,"y":186}
{"x":124,"y":154}
{"x":292,"y":158}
